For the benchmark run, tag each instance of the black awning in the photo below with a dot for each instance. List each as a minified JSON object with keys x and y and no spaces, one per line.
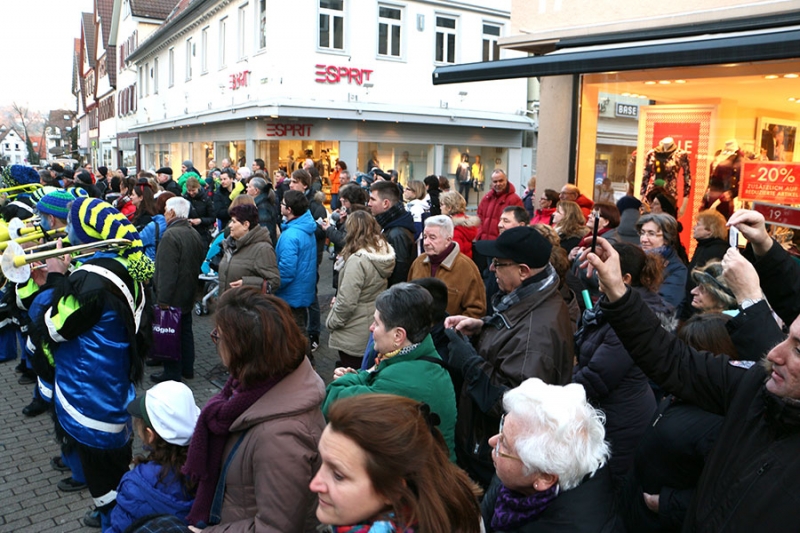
{"x":694,"y":51}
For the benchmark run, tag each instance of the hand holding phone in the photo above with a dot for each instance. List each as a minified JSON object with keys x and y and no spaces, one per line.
{"x":594,"y":232}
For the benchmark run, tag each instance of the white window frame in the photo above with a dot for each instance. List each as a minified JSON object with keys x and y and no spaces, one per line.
{"x":147,"y":79}
{"x":141,"y":82}
{"x":223,"y":29}
{"x":445,"y":33}
{"x":261,"y":29}
{"x":331,"y":15}
{"x":242,"y":34}
{"x":491,"y":40}
{"x":171,"y":66}
{"x":392,"y":25}
{"x":189,"y":45}
{"x":155,"y":75}
{"x":204,"y":51}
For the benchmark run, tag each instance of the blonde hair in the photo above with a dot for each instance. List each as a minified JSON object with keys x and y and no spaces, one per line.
{"x":574,"y":223}
{"x":363,"y":233}
{"x":454,"y":202}
{"x":242,"y":199}
{"x":418,"y":188}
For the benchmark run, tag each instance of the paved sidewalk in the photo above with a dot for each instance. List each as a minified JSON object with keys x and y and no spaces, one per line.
{"x":29,"y":499}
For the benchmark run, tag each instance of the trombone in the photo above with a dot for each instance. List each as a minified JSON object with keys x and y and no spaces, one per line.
{"x":16,"y":263}
{"x":16,"y":228}
{"x":34,"y":236}
{"x":13,"y":192}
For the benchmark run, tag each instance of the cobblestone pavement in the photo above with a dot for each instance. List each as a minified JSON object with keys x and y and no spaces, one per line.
{"x":29,"y":499}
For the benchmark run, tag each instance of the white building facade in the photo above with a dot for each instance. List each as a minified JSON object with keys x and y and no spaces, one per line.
{"x":12,"y":147}
{"x":253,"y":79}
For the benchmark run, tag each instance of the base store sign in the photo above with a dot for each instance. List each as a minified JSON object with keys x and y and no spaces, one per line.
{"x":772,"y":182}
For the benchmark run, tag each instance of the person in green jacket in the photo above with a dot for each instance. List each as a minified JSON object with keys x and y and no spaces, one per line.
{"x":407,"y":363}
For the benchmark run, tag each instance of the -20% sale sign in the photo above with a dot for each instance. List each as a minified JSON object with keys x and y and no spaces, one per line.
{"x":770,"y":181}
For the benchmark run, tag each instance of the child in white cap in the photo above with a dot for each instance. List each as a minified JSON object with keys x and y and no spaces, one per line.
{"x":164,"y":418}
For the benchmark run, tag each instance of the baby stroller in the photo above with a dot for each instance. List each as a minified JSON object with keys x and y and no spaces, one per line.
{"x":208,"y":275}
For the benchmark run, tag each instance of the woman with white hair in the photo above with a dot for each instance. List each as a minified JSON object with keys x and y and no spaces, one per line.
{"x":550,"y":457}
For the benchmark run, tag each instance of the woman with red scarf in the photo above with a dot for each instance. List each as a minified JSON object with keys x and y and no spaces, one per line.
{"x":258,"y":437}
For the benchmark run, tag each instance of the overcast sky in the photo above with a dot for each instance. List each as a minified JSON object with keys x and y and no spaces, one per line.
{"x":36,"y":40}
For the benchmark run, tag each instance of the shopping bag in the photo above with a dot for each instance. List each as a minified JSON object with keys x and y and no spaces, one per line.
{"x":167,"y":334}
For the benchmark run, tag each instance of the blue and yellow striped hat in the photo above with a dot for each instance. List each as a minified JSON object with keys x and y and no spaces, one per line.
{"x":94,"y":220}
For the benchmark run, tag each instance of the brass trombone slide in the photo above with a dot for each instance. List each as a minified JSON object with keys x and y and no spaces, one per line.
{"x":38,"y":234}
{"x":11,"y":192}
{"x":16,"y":263}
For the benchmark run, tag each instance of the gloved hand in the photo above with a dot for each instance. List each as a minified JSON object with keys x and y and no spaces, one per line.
{"x":463,"y":357}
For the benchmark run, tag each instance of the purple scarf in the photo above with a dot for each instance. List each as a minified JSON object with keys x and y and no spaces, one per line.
{"x":204,"y":459}
{"x":512,"y":509}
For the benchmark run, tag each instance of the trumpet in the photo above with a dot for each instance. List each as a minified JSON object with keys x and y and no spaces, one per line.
{"x":15,"y":263}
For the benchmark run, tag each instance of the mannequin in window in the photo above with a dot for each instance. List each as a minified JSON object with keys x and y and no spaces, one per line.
{"x":663,"y":166}
{"x":373,"y":162}
{"x":464,"y":177}
{"x":477,"y":173}
{"x":405,"y":170}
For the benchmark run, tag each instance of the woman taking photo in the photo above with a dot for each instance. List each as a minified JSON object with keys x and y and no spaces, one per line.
{"x":658,"y":234}
{"x":248,"y":258}
{"x":264,"y":425}
{"x":364,"y":267}
{"x":124,"y":204}
{"x":570,"y":224}
{"x":397,"y":476}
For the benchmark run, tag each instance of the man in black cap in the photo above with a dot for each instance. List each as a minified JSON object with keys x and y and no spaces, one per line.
{"x":529,"y":335}
{"x":164,"y":177}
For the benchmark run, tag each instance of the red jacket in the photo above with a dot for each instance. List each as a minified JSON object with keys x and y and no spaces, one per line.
{"x":464,"y":231}
{"x":585,"y":204}
{"x":490,"y":209}
{"x":543,"y":216}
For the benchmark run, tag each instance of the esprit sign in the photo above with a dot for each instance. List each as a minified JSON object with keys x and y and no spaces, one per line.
{"x":291,"y":130}
{"x":333,"y":74}
{"x":239,"y":80}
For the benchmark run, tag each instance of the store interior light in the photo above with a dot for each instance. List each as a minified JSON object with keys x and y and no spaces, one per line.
{"x":625,"y":94}
{"x":634,"y":95}
{"x":790,"y":76}
{"x":771,"y":77}
{"x":664,"y":82}
{"x":650,"y":83}
{"x":792,"y":98}
{"x":680,"y":81}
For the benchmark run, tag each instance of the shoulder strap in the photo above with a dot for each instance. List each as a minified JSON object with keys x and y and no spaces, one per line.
{"x":432,"y":360}
{"x":215,"y":515}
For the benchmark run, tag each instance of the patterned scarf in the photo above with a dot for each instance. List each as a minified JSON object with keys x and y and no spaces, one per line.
{"x":512,"y":509}
{"x":501,"y":302}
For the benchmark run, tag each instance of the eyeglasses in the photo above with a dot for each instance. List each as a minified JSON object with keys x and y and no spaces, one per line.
{"x":496,"y":264}
{"x":215,"y":336}
{"x":500,"y":439}
{"x":650,"y":234}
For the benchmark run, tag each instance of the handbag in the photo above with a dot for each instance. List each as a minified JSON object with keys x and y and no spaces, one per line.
{"x":167,"y":334}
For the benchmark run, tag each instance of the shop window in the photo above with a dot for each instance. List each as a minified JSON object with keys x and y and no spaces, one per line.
{"x":171,"y":66}
{"x":262,"y":24}
{"x":331,"y":24}
{"x":445,"y":40}
{"x":189,"y":54}
{"x":155,"y":76}
{"x":389,"y":31}
{"x":241,"y":36}
{"x":491,"y":50}
{"x":204,"y":51}
{"x":223,"y":23}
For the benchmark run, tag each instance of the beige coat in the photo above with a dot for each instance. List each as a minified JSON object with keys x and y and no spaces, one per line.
{"x":363,"y":277}
{"x":466,"y":294}
{"x":266,"y":490}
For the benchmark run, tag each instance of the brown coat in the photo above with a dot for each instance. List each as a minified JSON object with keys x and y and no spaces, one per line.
{"x":250,"y":259}
{"x":466,"y":294}
{"x":266,"y":490}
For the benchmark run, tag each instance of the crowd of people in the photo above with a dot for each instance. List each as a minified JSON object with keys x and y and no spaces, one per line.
{"x":549,"y":364}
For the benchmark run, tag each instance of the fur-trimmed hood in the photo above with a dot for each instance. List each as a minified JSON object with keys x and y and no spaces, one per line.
{"x":468,"y":221}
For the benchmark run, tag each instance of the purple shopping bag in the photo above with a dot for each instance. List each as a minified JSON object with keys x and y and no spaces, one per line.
{"x":167,"y":334}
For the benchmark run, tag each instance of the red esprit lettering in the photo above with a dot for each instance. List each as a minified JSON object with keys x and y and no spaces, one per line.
{"x":333,"y":74}
{"x":320,"y":74}
{"x":294,"y":130}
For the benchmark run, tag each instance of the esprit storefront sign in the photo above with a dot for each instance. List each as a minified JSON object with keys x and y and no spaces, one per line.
{"x":288,"y":130}
{"x":239,"y":80}
{"x":333,"y":74}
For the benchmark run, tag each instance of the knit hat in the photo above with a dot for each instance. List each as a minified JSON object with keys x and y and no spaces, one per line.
{"x":188,"y":164}
{"x":628,"y":202}
{"x":56,"y":203}
{"x":94,"y":220}
{"x":164,"y":170}
{"x":39,"y":193}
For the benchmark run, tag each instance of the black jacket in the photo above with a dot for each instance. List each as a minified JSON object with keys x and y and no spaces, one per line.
{"x":178,"y":260}
{"x":220,"y":204}
{"x":200,"y":207}
{"x":172,"y":186}
{"x":398,"y":229}
{"x":588,"y":508}
{"x":749,"y":483}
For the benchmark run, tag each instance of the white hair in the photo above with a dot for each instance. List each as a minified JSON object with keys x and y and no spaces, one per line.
{"x":444,"y":222}
{"x":561,"y":434}
{"x":178,"y":205}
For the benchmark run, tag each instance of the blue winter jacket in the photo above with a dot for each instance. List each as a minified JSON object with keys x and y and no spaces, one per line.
{"x":297,"y":261}
{"x":148,"y":235}
{"x":140,"y":493}
{"x":673,"y":287}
